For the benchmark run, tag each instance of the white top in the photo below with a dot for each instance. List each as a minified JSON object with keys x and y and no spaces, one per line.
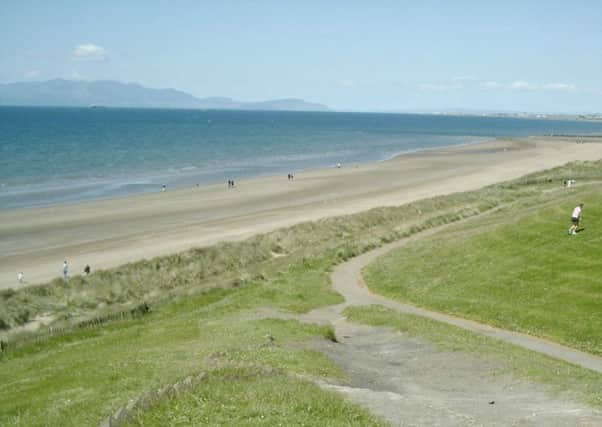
{"x":576,"y":212}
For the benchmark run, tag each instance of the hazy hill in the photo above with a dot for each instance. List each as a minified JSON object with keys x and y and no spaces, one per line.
{"x":290,"y":104}
{"x":71,"y":93}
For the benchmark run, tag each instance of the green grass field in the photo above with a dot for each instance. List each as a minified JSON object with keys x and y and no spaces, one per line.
{"x":517,"y":269}
{"x":203,"y":318}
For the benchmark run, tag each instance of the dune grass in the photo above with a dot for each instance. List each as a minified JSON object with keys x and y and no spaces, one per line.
{"x":204,"y":317}
{"x":517,"y":269}
{"x":559,"y":377}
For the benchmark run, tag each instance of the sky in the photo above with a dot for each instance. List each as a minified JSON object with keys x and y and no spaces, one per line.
{"x":408,"y":56}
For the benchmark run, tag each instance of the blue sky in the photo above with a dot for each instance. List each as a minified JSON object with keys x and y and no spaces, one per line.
{"x":351,"y":55}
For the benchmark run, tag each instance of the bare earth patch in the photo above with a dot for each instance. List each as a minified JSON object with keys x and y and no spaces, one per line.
{"x":409,"y":382}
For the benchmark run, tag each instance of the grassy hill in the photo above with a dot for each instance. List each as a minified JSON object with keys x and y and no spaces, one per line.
{"x":516,"y":269}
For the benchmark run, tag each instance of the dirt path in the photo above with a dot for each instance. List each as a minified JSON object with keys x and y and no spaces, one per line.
{"x":347,"y":280}
{"x":408,"y":381}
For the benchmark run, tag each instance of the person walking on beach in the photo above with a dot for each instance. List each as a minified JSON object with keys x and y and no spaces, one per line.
{"x":575,"y":217}
{"x":65,"y":270}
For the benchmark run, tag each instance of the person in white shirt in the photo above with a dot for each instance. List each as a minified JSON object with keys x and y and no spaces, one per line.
{"x":575,"y":217}
{"x":21,"y":277}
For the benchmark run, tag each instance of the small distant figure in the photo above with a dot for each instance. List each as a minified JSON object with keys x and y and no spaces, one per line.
{"x":291,"y":176}
{"x":21,"y":277}
{"x":569,"y":183}
{"x":87,"y":270}
{"x":163,"y":188}
{"x":230,"y":183}
{"x":338,"y":166}
{"x":65,"y":270}
{"x":575,"y":218}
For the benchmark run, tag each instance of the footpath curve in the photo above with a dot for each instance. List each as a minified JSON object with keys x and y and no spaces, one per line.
{"x":348,"y":281}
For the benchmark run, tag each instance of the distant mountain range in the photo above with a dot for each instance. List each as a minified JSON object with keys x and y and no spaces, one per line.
{"x":107,"y":93}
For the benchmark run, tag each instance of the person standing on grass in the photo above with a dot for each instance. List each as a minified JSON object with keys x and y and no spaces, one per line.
{"x":575,"y":217}
{"x":21,"y":277}
{"x":65,"y":270}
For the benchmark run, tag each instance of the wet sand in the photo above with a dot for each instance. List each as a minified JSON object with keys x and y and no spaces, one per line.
{"x":107,"y":233}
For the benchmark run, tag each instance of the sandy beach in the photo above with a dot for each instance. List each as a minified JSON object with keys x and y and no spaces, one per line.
{"x":107,"y":233}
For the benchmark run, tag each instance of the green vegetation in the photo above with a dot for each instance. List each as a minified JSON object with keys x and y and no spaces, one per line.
{"x":517,"y":269}
{"x":78,"y":379}
{"x":217,"y":310}
{"x":558,"y":376}
{"x":246,"y":397}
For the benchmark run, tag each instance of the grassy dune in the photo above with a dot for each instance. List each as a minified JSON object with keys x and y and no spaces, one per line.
{"x":206,"y":316}
{"x":78,"y":379}
{"x":517,"y":269}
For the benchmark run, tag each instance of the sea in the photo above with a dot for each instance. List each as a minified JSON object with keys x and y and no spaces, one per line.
{"x":64,"y":155}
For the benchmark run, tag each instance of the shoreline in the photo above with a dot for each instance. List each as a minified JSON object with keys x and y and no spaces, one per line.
{"x":110,"y":232}
{"x":138,"y":180}
{"x":250,"y":177}
{"x":483,"y":140}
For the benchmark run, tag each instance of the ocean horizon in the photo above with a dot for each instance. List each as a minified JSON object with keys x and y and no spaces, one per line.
{"x":64,"y":155}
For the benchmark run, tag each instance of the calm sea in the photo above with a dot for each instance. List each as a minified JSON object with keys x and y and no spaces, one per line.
{"x":58,"y":155}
